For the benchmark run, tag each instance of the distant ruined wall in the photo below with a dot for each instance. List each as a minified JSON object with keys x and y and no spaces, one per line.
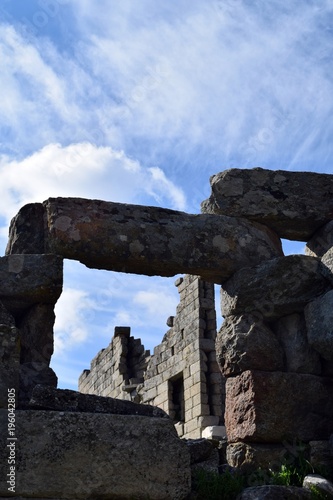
{"x":182,"y":376}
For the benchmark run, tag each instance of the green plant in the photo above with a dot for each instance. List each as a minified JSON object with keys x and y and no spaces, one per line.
{"x":216,"y":486}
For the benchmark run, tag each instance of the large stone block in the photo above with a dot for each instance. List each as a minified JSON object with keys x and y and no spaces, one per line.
{"x":49,"y":398}
{"x":279,"y":199}
{"x":151,"y":240}
{"x":319,"y":322}
{"x":66,"y":455}
{"x":30,"y":279}
{"x":275,"y":288}
{"x":244,"y":343}
{"x":275,"y":406}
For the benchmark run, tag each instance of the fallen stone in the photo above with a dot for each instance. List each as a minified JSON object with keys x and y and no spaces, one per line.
{"x":275,"y":288}
{"x":274,"y":492}
{"x":69,"y":455}
{"x":29,"y":279}
{"x":200,"y":449}
{"x":275,"y":406}
{"x":320,"y":483}
{"x":299,"y":356}
{"x":319,"y":323}
{"x":33,"y":374}
{"x":151,"y":240}
{"x":49,"y":398}
{"x":277,"y":198}
{"x":250,"y":457}
{"x":321,"y":241}
{"x":246,"y":343}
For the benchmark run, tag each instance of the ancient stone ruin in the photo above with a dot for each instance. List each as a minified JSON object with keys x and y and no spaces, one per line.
{"x":274,"y":349}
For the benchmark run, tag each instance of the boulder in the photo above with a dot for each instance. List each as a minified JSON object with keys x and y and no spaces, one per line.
{"x":72,"y":455}
{"x":246,"y":343}
{"x":275,"y":288}
{"x":277,"y":198}
{"x":49,"y":398}
{"x":29,"y":279}
{"x":150,"y":240}
{"x":274,"y":406}
{"x":321,"y":241}
{"x":319,"y":323}
{"x":299,"y":356}
{"x":321,"y":484}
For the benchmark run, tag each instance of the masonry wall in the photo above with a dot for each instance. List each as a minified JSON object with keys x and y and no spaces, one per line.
{"x":117,"y":370}
{"x":182,"y":376}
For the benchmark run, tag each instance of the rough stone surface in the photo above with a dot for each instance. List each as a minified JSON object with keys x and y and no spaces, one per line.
{"x":274,"y":492}
{"x":151,"y":240}
{"x":245,"y":343}
{"x":200,"y":449}
{"x":327,"y":265}
{"x":319,"y":322}
{"x":36,"y":328}
{"x":278,"y":199}
{"x":27,"y":231}
{"x":299,"y":356}
{"x":48,"y":398}
{"x":321,"y":241}
{"x":9,"y":362}
{"x":32,"y":374}
{"x":321,"y":484}
{"x":274,"y":406}
{"x":275,"y":288}
{"x":321,"y":456}
{"x":69,"y":455}
{"x":29,"y":279}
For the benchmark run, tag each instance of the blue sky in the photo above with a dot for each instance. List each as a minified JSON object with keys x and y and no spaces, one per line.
{"x":141,"y":102}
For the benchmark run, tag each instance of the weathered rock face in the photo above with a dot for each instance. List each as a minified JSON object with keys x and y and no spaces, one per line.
{"x":9,"y":362}
{"x":251,"y":457}
{"x":275,"y":288}
{"x":278,"y":199}
{"x":299,"y":356}
{"x":274,"y":406}
{"x":319,"y":320}
{"x":27,"y":231}
{"x":150,"y":240}
{"x":246,"y":343}
{"x":67,"y":455}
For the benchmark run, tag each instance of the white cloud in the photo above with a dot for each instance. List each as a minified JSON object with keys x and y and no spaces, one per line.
{"x":82,"y":170}
{"x":72,"y":311}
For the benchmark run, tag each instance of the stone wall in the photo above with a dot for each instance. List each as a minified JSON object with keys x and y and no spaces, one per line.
{"x":275,"y":346}
{"x":182,"y":376}
{"x":117,"y":370}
